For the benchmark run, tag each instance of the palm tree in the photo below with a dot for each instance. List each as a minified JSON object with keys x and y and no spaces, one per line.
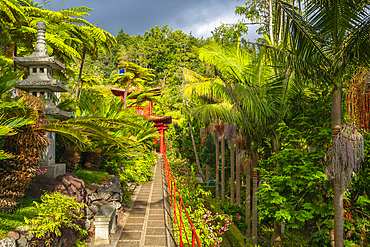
{"x":216,"y":141}
{"x":230,"y":132}
{"x":325,"y":41}
{"x":248,"y":194}
{"x":97,"y":40}
{"x":222,"y":164}
{"x":237,"y":175}
{"x":247,"y":87}
{"x":133,"y":73}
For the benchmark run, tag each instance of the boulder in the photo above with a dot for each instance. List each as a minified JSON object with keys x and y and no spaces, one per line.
{"x":13,"y":234}
{"x":87,"y":224}
{"x":7,"y":242}
{"x":116,"y":184}
{"x":116,"y":197}
{"x":105,"y":192}
{"x":117,"y":204}
{"x":22,"y":230}
{"x":95,"y":197}
{"x":22,"y":242}
{"x":91,"y":188}
{"x":94,"y":208}
{"x":68,"y":184}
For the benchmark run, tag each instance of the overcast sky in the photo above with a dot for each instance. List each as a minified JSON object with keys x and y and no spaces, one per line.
{"x":199,"y":17}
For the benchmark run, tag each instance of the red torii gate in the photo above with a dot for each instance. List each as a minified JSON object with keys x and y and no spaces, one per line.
{"x":146,"y":112}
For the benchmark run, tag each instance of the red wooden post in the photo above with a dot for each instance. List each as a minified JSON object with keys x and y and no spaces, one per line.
{"x":150,"y":107}
{"x":162,"y":149}
{"x":122,"y":96}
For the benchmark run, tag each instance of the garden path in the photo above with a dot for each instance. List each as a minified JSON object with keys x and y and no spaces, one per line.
{"x":144,"y":224}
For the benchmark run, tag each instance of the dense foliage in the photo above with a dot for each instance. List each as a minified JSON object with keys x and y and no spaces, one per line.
{"x":209,"y":227}
{"x":274,"y":108}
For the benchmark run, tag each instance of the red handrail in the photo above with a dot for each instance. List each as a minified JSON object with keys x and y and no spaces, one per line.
{"x":178,"y":206}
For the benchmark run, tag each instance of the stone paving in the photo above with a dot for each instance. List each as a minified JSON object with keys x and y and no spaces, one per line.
{"x":144,"y":224}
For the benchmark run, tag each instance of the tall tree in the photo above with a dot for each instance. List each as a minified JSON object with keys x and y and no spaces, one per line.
{"x":230,"y":133}
{"x":222,"y":164}
{"x":97,"y":40}
{"x":133,"y":73}
{"x":325,"y":41}
{"x":216,"y":141}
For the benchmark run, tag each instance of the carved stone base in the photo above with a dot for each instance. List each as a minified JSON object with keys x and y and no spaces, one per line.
{"x":54,"y":170}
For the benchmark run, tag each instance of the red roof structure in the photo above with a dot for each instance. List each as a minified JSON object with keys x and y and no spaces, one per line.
{"x":120,"y":92}
{"x":161,"y":123}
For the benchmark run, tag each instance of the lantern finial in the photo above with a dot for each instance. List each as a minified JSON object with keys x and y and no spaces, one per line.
{"x":40,"y":48}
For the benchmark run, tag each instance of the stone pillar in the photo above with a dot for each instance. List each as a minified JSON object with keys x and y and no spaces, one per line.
{"x":105,"y":223}
{"x":49,"y":153}
{"x":48,"y":161}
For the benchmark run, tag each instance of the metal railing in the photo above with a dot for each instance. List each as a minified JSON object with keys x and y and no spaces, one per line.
{"x":178,"y":207}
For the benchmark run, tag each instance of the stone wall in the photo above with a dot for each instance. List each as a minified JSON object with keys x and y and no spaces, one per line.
{"x":108,"y":193}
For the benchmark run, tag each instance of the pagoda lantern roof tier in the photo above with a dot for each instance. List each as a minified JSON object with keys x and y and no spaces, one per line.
{"x":40,"y":59}
{"x":40,"y":66}
{"x":32,"y":83}
{"x":55,"y":112}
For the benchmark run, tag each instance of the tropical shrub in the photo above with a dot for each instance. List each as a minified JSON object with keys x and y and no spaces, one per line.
{"x":26,"y":145}
{"x":238,"y":215}
{"x":56,"y":212}
{"x":10,"y":221}
{"x":209,"y":227}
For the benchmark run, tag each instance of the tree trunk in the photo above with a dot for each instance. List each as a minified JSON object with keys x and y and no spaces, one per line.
{"x":195,"y":149}
{"x":276,"y":236}
{"x":232,"y":172}
{"x":80,"y":74}
{"x":15,"y":51}
{"x":280,"y":28}
{"x":237,"y":154}
{"x":215,"y":138}
{"x":270,"y":23}
{"x":223,"y":169}
{"x":248,"y":200}
{"x":126,"y":92}
{"x":254,"y":209}
{"x":331,"y":234}
{"x":338,"y":188}
{"x":14,"y":55}
{"x":207,"y":172}
{"x":338,"y":212}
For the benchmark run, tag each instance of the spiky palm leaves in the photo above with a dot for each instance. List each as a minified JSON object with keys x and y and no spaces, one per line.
{"x":134,"y":73}
{"x":249,"y":90}
{"x":68,"y":36}
{"x":95,"y":40}
{"x":116,"y":129}
{"x":25,"y":146}
{"x":323,"y":44}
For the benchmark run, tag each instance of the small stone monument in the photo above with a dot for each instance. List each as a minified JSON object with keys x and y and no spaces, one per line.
{"x":40,"y":83}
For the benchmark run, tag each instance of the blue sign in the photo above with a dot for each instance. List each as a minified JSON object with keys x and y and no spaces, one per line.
{"x":122,"y":71}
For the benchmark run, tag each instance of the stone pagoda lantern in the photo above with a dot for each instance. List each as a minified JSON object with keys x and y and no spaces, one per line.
{"x":40,"y":83}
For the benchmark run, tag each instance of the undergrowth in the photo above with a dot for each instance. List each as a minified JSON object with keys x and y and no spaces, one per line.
{"x":90,"y":177}
{"x":10,"y":221}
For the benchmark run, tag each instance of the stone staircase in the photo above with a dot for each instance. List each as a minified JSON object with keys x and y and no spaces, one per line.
{"x":145,"y":223}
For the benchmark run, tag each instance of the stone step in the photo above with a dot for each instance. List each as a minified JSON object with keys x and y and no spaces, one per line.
{"x":145,"y":223}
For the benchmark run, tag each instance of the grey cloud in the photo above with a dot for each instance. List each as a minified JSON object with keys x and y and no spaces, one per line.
{"x":135,"y":17}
